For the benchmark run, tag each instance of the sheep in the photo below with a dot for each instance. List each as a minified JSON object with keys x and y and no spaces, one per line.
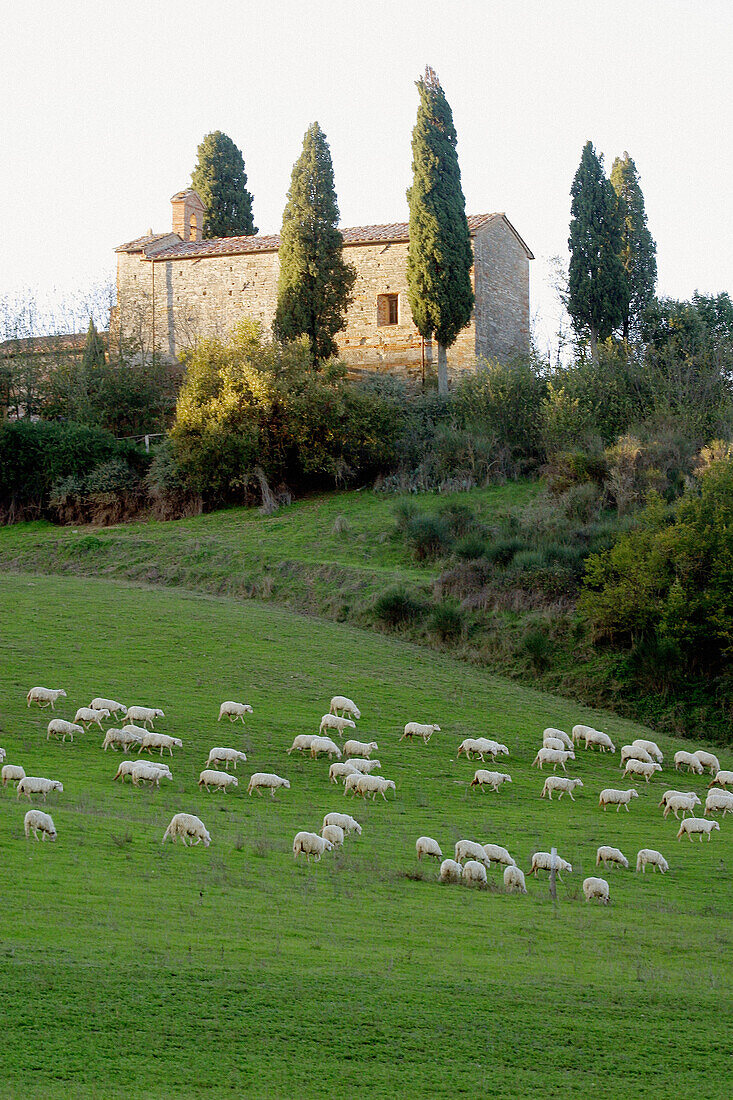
{"x":635,"y":752}
{"x":611,"y":797}
{"x":146,"y":771}
{"x":482,"y":746}
{"x":325,"y":744}
{"x":692,"y":762}
{"x":374,"y":785}
{"x":606,"y":854}
{"x":220,"y":781}
{"x":311,"y":844}
{"x":146,"y":715}
{"x":34,"y":784}
{"x":269,"y":781}
{"x":722,"y":779}
{"x":426,"y":846}
{"x":650,"y":857}
{"x":12,"y":773}
{"x":159,"y":741}
{"x":542,"y":861}
{"x":596,"y":888}
{"x":57,"y":727}
{"x":45,"y":697}
{"x":473,"y":871}
{"x":668,"y":794}
{"x":110,"y":705}
{"x":678,"y":800}
{"x":360,"y":748}
{"x":36,"y":820}
{"x":3,"y":754}
{"x":469,"y":849}
{"x":220,"y":755}
{"x":344,"y":821}
{"x":417,"y":729}
{"x":484,"y":779}
{"x":719,"y":800}
{"x":86,"y":716}
{"x":124,"y":769}
{"x":127,"y":736}
{"x":689,"y":826}
{"x":595,"y":737}
{"x":335,"y":834}
{"x":187,"y":825}
{"x":450,"y":871}
{"x":340,"y":769}
{"x":554,"y":757}
{"x":579,"y":732}
{"x":514,"y":879}
{"x":301,"y":742}
{"x":496,"y":854}
{"x":366,"y":767}
{"x":639,"y":767}
{"x":351,"y":781}
{"x":552,"y":743}
{"x":233,"y":711}
{"x":561,"y":783}
{"x":346,"y":706}
{"x":651,"y":747}
{"x":708,"y":760}
{"x":560,"y":735}
{"x":333,"y":722}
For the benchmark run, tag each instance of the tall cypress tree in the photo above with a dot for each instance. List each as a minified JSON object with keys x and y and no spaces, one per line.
{"x":597,"y":287}
{"x":638,"y":250}
{"x":93,"y":354}
{"x":315,"y":283}
{"x":440,"y":256}
{"x":220,"y":181}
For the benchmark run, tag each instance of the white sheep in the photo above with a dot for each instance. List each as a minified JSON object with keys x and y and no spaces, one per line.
{"x":560,"y":734}
{"x":333,"y":722}
{"x":147,"y":772}
{"x":469,"y":849}
{"x":482,"y":746}
{"x":344,"y":821}
{"x":187,"y":825}
{"x":554,"y":757}
{"x":233,"y":711}
{"x":609,"y":796}
{"x":679,"y":800}
{"x":649,"y":857}
{"x":426,"y":846}
{"x":351,"y":781}
{"x":366,"y":767}
{"x":651,"y":747}
{"x":45,"y":697}
{"x":340,"y":769}
{"x":220,"y":781}
{"x":110,"y":705}
{"x":222,"y":755}
{"x":579,"y":732}
{"x":3,"y":754}
{"x":12,"y":773}
{"x":87,"y":716}
{"x":496,"y":854}
{"x":57,"y":727}
{"x":719,"y":800}
{"x":325,"y":744}
{"x":159,"y":741}
{"x":700,"y":826}
{"x":335,"y":834}
{"x":514,"y":879}
{"x":418,"y":729}
{"x":127,"y":737}
{"x":301,"y":742}
{"x":635,"y":752}
{"x":640,"y":767}
{"x":35,"y":784}
{"x":450,"y":871}
{"x":686,"y":758}
{"x":345,"y":706}
{"x":542,"y":861}
{"x":374,"y":785}
{"x":473,"y":871}
{"x":596,"y":888}
{"x":311,"y":844}
{"x":124,"y":769}
{"x":553,"y":743}
{"x":708,"y":760}
{"x":494,"y":780}
{"x":561,"y":783}
{"x":595,"y":737}
{"x":606,"y":854}
{"x":146,"y":715}
{"x":35,"y":821}
{"x":268,"y":781}
{"x":360,"y":748}
{"x":722,"y":779}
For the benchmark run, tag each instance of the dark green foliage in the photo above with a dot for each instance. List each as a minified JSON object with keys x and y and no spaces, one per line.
{"x":459,"y":517}
{"x":396,"y":607}
{"x":446,"y":622}
{"x":428,"y":536}
{"x":537,"y":648}
{"x":220,"y":181}
{"x":93,"y":355}
{"x":439,"y":254}
{"x":125,"y":398}
{"x":502,"y":551}
{"x":504,"y":401}
{"x":472,"y":547}
{"x":638,"y":250}
{"x":315,"y":282}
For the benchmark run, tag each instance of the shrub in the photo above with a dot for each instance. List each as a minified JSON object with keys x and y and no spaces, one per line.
{"x":397,"y":607}
{"x":502,"y":551}
{"x":428,"y":536}
{"x":459,"y":517}
{"x":471,"y":547}
{"x":446,"y":622}
{"x":537,"y":648}
{"x":582,"y":502}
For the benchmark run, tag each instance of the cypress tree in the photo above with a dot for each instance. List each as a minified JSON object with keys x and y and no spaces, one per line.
{"x":440,"y":256}
{"x":220,"y":181}
{"x":315,"y":283}
{"x":93,"y":354}
{"x":638,"y":250}
{"x":597,"y":289}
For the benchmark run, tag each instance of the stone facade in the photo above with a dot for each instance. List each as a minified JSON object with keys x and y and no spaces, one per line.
{"x":171,"y":291}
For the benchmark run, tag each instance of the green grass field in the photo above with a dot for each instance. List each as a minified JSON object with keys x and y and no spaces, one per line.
{"x":130,"y":969}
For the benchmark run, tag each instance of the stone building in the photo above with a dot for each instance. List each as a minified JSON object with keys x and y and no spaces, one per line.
{"x":175,"y":287}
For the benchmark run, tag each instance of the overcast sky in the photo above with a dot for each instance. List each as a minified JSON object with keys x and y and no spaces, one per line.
{"x":103,"y":106}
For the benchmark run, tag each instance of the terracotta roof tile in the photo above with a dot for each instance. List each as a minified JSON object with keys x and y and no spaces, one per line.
{"x":140,"y":243}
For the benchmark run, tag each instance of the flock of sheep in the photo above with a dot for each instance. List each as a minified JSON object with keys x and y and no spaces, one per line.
{"x":353,"y":765}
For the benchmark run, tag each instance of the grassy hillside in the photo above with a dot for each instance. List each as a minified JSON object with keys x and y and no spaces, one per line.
{"x":135,"y":970}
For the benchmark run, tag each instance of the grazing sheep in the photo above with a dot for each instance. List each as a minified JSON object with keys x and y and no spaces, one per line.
{"x":668,"y":794}
{"x":340,"y":769}
{"x":691,"y":826}
{"x":3,"y":754}
{"x":335,"y":834}
{"x":233,"y":711}
{"x":651,"y":747}
{"x":374,"y":785}
{"x":678,"y":800}
{"x":561,"y":783}
{"x":450,"y":871}
{"x":469,"y":849}
{"x":722,"y":779}
{"x":579,"y":732}
{"x":473,"y":871}
{"x":417,"y":729}
{"x":220,"y":755}
{"x":649,"y":857}
{"x":595,"y":737}
{"x":110,"y":705}
{"x":45,"y":697}
{"x":220,"y":781}
{"x":514,"y":879}
{"x":553,"y":743}
{"x":187,"y":825}
{"x":351,"y":781}
{"x":345,"y":706}
{"x":693,"y":764}
{"x":146,"y":715}
{"x":542,"y":861}
{"x":482,"y":746}
{"x":268,"y":781}
{"x":35,"y":821}
{"x":311,"y":844}
{"x":360,"y":748}
{"x":86,"y":716}
{"x":426,"y":846}
{"x":325,"y":744}
{"x":57,"y":727}
{"x":127,"y":737}
{"x":12,"y":773}
{"x":159,"y":741}
{"x":609,"y":796}
{"x":147,"y":772}
{"x":560,"y":735}
{"x":301,"y":742}
{"x":125,"y":768}
{"x":719,"y":800}
{"x":34,"y":784}
{"x":596,"y":888}
{"x":333,"y":722}
{"x":606,"y":854}
{"x":554,"y":757}
{"x":484,"y":779}
{"x":635,"y":752}
{"x":366,"y":767}
{"x":639,"y":767}
{"x":344,"y":821}
{"x":708,"y":760}
{"x":496,"y":854}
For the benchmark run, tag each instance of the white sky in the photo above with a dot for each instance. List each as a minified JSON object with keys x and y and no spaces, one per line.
{"x":103,"y":106}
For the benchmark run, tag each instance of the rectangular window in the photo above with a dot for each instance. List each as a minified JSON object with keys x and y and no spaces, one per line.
{"x":388,"y":311}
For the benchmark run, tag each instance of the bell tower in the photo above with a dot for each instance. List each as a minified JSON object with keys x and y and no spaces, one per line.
{"x":188,"y":215}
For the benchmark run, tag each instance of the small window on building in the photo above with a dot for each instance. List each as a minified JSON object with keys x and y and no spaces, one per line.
{"x":388,"y":310}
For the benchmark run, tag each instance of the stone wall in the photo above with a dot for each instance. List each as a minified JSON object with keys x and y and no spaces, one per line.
{"x":502,"y":293}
